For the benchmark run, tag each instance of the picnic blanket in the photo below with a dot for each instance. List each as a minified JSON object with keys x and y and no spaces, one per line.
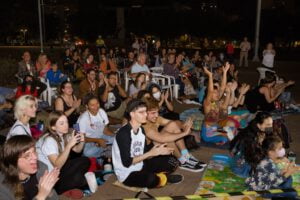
{"x":219,"y":178}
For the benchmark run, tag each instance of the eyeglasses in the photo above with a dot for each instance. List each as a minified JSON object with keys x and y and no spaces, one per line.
{"x":29,"y":155}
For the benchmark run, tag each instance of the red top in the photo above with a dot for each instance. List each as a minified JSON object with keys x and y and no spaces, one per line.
{"x":230,"y":48}
{"x":27,"y":91}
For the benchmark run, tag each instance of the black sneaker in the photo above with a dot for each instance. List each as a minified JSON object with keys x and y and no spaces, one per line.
{"x":195,"y":161}
{"x":174,"y":178}
{"x":191,"y":167}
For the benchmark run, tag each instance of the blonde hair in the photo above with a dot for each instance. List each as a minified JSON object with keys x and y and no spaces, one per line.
{"x":21,"y":104}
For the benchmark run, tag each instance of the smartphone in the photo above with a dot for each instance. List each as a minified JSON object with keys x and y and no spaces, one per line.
{"x":76,"y":128}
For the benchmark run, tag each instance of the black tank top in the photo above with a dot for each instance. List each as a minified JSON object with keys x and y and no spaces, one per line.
{"x":72,"y":119}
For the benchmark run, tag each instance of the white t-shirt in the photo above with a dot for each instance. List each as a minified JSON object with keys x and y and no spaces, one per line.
{"x":136,"y":68}
{"x":19,"y":129}
{"x":93,"y":127}
{"x":47,"y":146}
{"x":268,"y":59}
{"x":134,"y":148}
{"x":133,"y":90}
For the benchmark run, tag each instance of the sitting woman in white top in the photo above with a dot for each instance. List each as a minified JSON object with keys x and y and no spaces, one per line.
{"x":25,"y":109}
{"x":93,"y":122}
{"x":139,"y":84}
{"x":54,"y":149}
{"x":268,"y":56}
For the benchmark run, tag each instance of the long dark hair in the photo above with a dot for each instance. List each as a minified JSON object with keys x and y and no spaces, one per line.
{"x":63,"y":85}
{"x":51,"y":121}
{"x":247,"y":140}
{"x":137,"y":77}
{"x":24,"y":84}
{"x":10,"y":153}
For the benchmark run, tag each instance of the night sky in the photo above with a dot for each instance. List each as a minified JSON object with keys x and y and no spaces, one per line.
{"x":165,"y":18}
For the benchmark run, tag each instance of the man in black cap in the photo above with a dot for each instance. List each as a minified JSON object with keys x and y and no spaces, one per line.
{"x":137,"y":163}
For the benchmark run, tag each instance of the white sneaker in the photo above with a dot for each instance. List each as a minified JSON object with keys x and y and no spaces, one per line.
{"x":230,"y":134}
{"x":91,"y":180}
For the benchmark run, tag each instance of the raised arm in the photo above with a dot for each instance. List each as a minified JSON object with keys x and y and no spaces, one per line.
{"x":224,"y":78}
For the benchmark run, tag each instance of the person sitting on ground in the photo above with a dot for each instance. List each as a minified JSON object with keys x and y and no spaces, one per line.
{"x":129,"y":61}
{"x":89,"y":85}
{"x":217,"y":127}
{"x":22,"y":176}
{"x":43,"y":65}
{"x":68,"y":103}
{"x":232,"y":73}
{"x":6,"y":120}
{"x":101,"y":78}
{"x":55,"y":76}
{"x":262,"y":98}
{"x":140,"y":66}
{"x":247,"y":144}
{"x":240,"y":115}
{"x":107,"y":65}
{"x":139,"y":83}
{"x":137,"y":163}
{"x":266,"y":175}
{"x":89,"y":63}
{"x":25,"y":109}
{"x":27,"y":87}
{"x":189,"y":91}
{"x":166,"y":107}
{"x":113,"y":98}
{"x":94,"y":123}
{"x":172,"y":133}
{"x":55,"y":148}
{"x":68,"y":63}
{"x":214,"y":63}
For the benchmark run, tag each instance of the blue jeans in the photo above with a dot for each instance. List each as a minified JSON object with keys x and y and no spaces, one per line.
{"x":91,"y":150}
{"x":285,"y":185}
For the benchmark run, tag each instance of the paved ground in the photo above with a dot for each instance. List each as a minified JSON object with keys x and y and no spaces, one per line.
{"x":290,"y":70}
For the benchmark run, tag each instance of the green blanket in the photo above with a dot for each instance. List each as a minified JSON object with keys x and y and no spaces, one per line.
{"x":218,"y":178}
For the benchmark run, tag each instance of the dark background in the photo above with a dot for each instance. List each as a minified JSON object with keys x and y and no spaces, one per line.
{"x":229,"y":19}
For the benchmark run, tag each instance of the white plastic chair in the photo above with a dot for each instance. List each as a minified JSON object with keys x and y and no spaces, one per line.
{"x":50,"y":92}
{"x":158,"y":70}
{"x":127,"y":79}
{"x":165,"y":81}
{"x":262,"y":73}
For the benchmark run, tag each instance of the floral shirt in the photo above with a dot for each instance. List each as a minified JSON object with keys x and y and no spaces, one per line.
{"x":267,"y":176}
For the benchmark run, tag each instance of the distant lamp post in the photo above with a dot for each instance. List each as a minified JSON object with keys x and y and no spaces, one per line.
{"x":257,"y":27}
{"x":24,"y":31}
{"x":40,"y":26}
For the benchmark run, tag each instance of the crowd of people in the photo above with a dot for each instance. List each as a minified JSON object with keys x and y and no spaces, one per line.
{"x":94,"y":117}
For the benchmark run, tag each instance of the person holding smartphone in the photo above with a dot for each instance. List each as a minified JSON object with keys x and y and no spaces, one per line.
{"x":54,"y":149}
{"x":94,"y":123}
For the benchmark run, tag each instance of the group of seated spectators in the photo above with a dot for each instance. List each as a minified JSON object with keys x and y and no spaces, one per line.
{"x":150,"y":144}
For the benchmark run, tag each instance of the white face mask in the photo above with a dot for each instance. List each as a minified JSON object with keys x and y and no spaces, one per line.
{"x":156,"y":95}
{"x":280,"y":153}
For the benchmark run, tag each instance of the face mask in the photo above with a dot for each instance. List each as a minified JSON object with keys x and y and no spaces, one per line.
{"x":281,"y":153}
{"x":156,"y":95}
{"x":268,"y":130}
